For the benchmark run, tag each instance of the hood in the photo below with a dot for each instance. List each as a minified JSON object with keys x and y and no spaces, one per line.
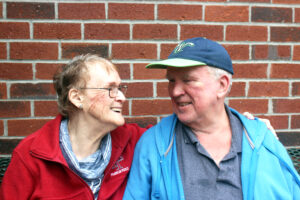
{"x":254,"y":130}
{"x":165,"y":134}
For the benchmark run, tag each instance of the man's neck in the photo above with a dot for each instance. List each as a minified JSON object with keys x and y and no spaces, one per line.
{"x":215,"y":136}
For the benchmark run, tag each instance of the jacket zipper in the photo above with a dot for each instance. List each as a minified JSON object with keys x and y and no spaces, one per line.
{"x":68,"y":169}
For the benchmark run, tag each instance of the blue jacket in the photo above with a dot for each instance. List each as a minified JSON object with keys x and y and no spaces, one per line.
{"x":267,"y":171}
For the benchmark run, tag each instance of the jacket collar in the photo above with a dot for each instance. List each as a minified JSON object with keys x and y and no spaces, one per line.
{"x":46,"y":144}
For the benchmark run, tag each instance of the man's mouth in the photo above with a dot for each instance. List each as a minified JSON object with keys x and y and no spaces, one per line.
{"x":182,"y":104}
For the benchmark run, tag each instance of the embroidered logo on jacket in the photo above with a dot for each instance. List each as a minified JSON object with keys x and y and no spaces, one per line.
{"x":119,"y":168}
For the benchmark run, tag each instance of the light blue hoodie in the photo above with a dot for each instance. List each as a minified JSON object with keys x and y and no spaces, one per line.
{"x":267,"y":171}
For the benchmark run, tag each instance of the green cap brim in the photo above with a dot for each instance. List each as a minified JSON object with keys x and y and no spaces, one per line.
{"x":174,"y":62}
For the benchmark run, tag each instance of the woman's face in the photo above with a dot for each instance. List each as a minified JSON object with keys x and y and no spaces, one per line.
{"x":97,"y":103}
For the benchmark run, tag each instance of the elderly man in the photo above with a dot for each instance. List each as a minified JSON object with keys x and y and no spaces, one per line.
{"x":207,"y":150}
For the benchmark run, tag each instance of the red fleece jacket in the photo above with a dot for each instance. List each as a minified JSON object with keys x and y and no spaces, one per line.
{"x":38,"y":169}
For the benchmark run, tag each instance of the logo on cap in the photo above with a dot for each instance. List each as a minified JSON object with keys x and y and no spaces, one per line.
{"x":182,"y":45}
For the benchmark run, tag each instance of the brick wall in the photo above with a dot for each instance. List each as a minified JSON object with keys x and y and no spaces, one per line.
{"x":262,"y":37}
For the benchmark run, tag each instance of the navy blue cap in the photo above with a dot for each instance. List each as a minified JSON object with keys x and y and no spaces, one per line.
{"x":195,"y":52}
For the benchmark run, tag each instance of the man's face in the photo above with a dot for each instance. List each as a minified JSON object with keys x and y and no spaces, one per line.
{"x":97,"y":103}
{"x":193,"y":91}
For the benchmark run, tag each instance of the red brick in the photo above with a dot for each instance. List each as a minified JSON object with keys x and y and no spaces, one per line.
{"x":130,"y":11}
{"x":30,"y":10}
{"x":46,"y":70}
{"x":238,"y":89}
{"x":267,"y":14}
{"x":14,"y":30}
{"x":134,"y":51}
{"x":285,"y":71}
{"x":297,"y":15}
{"x":82,"y":11}
{"x":286,"y":105}
{"x":166,"y":50}
{"x":3,"y":89}
{"x":142,"y":121}
{"x":179,"y":12}
{"x":24,"y":127}
{"x":107,"y":31}
{"x":162,"y":89}
{"x":125,"y":108}
{"x":57,"y":31}
{"x":151,"y":107}
{"x":16,"y":71}
{"x":34,"y":50}
{"x":213,"y":32}
{"x":285,"y":34}
{"x":70,"y":50}
{"x":227,"y":13}
{"x":268,"y":89}
{"x":3,"y":50}
{"x":45,"y":108}
{"x":140,"y":72}
{"x":296,"y":55}
{"x":295,"y":121}
{"x":135,"y":90}
{"x":124,"y":70}
{"x":286,"y":1}
{"x":238,"y":52}
{"x":257,"y":1}
{"x":260,"y":52}
{"x":250,"y":70}
{"x":32,"y":91}
{"x":1,"y":16}
{"x":155,"y":31}
{"x":296,"y":89}
{"x":208,"y":0}
{"x":283,"y":52}
{"x":250,"y":33}
{"x":277,"y":121}
{"x":250,"y":105}
{"x":14,"y":109}
{"x":1,"y":128}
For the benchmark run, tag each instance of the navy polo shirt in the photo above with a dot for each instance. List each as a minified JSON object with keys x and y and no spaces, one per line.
{"x":201,"y":177}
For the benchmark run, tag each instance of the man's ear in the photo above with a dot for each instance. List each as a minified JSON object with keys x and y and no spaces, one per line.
{"x":224,"y":82}
{"x":75,"y":97}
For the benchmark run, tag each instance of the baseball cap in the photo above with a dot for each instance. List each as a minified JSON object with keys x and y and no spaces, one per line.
{"x":194,"y":52}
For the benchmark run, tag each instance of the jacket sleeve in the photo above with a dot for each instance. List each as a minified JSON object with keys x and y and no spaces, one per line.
{"x":296,"y":191}
{"x":139,"y":182}
{"x":18,"y":182}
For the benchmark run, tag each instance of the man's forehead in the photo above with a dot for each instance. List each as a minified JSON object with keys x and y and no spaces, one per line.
{"x":183,"y":70}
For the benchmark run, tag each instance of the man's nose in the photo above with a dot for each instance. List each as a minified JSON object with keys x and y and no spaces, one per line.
{"x":176,"y":89}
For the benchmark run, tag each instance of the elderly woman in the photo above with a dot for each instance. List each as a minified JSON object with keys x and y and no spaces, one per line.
{"x":86,"y":151}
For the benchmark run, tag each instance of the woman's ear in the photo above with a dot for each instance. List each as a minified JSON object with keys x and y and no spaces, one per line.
{"x":224,"y":86}
{"x":75,"y":98}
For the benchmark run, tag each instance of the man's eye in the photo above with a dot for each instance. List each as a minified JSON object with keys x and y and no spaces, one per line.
{"x":186,"y":80}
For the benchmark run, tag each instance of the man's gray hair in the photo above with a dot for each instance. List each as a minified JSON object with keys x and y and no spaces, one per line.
{"x":220,"y":72}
